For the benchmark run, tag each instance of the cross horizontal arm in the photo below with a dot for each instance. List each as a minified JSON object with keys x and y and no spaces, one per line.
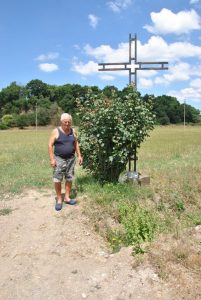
{"x":152,"y":62}
{"x":152,"y":68}
{"x":114,"y":69}
{"x":112,"y":64}
{"x":104,"y":67}
{"x":143,"y":65}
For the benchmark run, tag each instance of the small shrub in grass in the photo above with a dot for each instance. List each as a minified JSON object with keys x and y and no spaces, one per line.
{"x":3,"y":126}
{"x":5,"y":211}
{"x":8,"y":120}
{"x":179,"y":205}
{"x":110,"y":131}
{"x":160,"y":206}
{"x":194,"y":218}
{"x":21,"y":121}
{"x":139,"y":223}
{"x":115,"y":239}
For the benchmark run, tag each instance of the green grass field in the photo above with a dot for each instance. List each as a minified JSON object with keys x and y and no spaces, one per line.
{"x":171,"y":156}
{"x":24,"y":161}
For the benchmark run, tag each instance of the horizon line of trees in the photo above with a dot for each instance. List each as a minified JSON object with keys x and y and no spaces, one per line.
{"x":19,"y":104}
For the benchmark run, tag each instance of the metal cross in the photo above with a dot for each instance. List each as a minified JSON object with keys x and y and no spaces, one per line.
{"x":133,"y":66}
{"x":133,"y":63}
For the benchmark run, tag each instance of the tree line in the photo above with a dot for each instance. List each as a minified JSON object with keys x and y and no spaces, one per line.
{"x":39,"y":102}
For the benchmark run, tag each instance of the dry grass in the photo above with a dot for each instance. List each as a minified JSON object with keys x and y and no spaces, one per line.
{"x":171,"y":157}
{"x":177,"y":260}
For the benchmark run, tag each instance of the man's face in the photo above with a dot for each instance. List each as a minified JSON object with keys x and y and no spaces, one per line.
{"x":66,"y":123}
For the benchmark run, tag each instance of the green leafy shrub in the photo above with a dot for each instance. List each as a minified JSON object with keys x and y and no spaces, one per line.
{"x":43,"y":116}
{"x":8,"y":120}
{"x":21,"y":121}
{"x":3,"y":126}
{"x":139,"y":223}
{"x":111,"y":130}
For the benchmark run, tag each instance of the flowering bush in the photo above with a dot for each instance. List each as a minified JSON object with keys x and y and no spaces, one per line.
{"x":111,"y":129}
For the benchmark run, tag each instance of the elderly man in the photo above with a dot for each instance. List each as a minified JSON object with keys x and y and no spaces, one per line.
{"x":62,"y":147}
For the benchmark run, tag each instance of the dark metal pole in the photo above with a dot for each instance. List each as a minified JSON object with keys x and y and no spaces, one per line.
{"x":135,"y":159}
{"x":135,"y":48}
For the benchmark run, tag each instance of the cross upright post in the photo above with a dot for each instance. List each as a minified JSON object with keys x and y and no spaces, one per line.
{"x":133,"y":65}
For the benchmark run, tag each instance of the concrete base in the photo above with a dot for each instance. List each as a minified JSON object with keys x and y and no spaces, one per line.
{"x":142,"y":180}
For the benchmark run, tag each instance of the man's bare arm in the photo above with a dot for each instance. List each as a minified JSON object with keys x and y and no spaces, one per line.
{"x":77,"y":148}
{"x":50,"y":147}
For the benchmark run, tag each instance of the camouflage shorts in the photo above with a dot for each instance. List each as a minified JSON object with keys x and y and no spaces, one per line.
{"x":64,"y":168}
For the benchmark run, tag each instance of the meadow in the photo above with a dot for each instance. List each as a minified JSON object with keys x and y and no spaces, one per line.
{"x":126,"y":214}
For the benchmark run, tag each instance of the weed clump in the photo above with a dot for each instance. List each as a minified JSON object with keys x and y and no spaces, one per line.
{"x":5,"y":211}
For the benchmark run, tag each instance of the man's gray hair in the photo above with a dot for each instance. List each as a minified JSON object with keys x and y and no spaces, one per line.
{"x":66,"y":116}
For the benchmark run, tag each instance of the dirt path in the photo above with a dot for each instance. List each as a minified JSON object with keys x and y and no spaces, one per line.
{"x":46,"y":254}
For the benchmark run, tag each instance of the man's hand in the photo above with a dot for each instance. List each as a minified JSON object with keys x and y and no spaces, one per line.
{"x":80,"y":159}
{"x":53,"y":163}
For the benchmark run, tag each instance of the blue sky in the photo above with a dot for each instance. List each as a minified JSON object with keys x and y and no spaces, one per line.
{"x":60,"y":41}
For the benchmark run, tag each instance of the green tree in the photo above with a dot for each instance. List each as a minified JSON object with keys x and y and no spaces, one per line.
{"x":54,"y":114}
{"x":7,"y":96}
{"x":109,"y":91}
{"x":192,"y":115}
{"x":37,"y":88}
{"x":43,"y":116}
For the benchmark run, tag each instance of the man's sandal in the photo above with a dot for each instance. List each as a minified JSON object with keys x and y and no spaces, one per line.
{"x":58,"y":206}
{"x":70,"y":202}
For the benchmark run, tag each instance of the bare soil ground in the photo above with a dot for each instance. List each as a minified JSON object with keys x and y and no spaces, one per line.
{"x":46,"y":254}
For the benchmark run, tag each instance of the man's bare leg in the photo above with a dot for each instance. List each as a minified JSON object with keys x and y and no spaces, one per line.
{"x":68,"y":186}
{"x":57,"y":186}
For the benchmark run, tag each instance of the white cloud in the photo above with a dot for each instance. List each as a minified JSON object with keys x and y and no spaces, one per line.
{"x":48,"y":56}
{"x":46,"y":67}
{"x":85,"y":68}
{"x":188,"y":94}
{"x":166,"y":22}
{"x":93,"y":20}
{"x":177,"y":72}
{"x":107,"y":77}
{"x":145,"y":83}
{"x":191,"y":94}
{"x":196,"y":70}
{"x":180,"y":72}
{"x":196,"y":83}
{"x":194,"y":1}
{"x":146,"y":73}
{"x":91,"y":67}
{"x":105,"y":53}
{"x":156,"y":49}
{"x":118,"y":5}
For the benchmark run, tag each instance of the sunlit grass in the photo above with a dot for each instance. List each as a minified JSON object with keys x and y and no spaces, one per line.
{"x":171,"y":156}
{"x":23,"y":160}
{"x":169,"y":146}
